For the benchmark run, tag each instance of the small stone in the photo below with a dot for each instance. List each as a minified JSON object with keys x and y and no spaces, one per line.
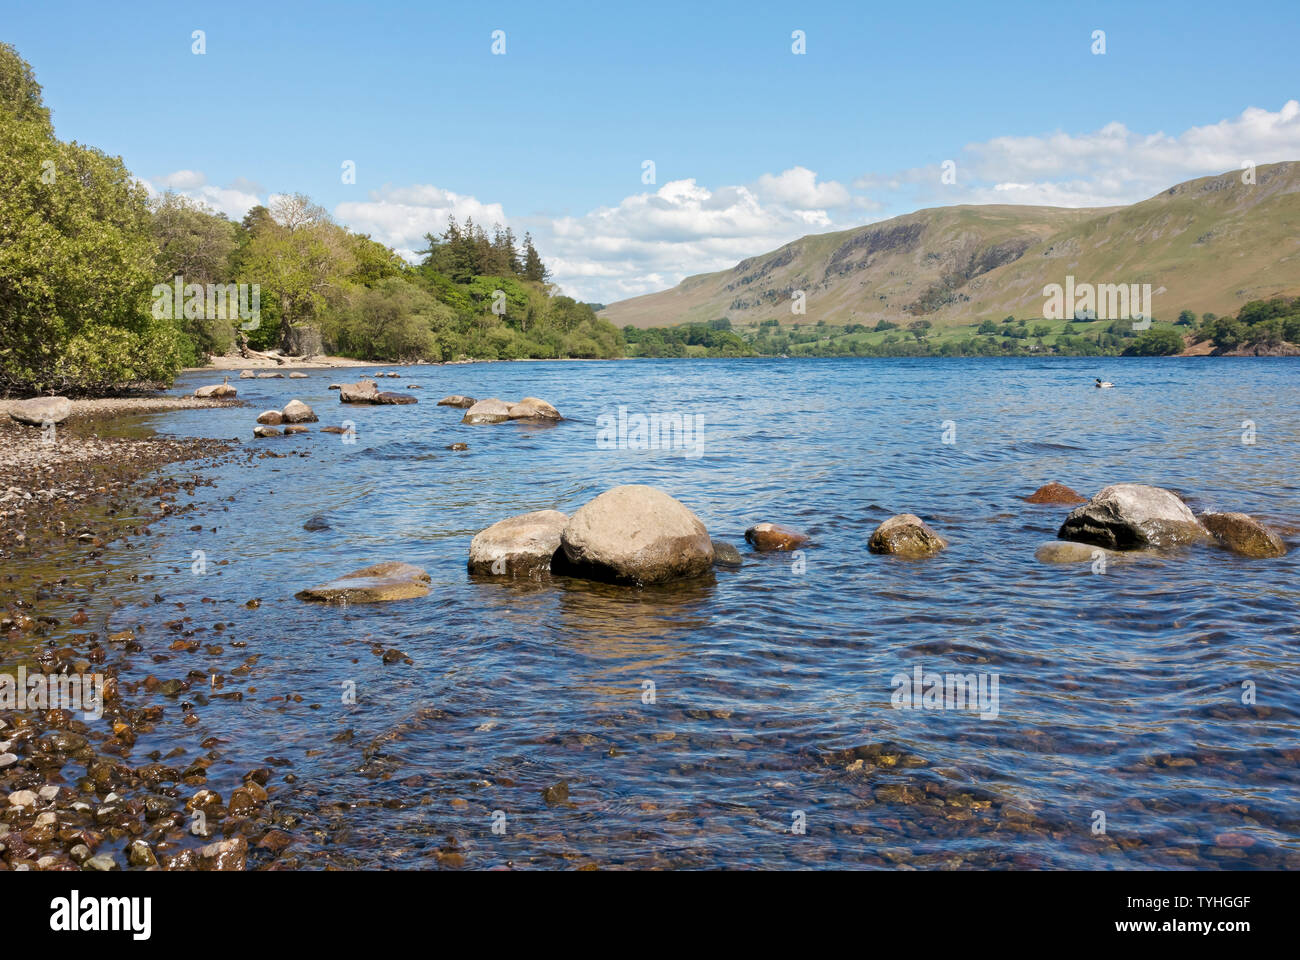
{"x":556,"y":792}
{"x":1055,"y":493}
{"x":771,"y":536}
{"x":22,"y":798}
{"x":906,"y":535}
{"x":102,"y":863}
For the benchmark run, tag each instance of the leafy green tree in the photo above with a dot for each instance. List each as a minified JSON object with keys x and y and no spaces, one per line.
{"x":76,"y":258}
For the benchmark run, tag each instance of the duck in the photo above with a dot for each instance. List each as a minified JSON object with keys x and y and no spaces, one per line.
{"x":1104,"y":383}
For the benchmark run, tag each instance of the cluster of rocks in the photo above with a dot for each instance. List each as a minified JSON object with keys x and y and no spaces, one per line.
{"x":270,"y":375}
{"x":493,"y":410}
{"x":1133,"y":519}
{"x":366,"y":390}
{"x":294,"y":414}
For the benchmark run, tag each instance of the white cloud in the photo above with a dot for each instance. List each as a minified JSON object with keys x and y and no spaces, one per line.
{"x":234,"y":200}
{"x":798,"y":188}
{"x":401,"y":216}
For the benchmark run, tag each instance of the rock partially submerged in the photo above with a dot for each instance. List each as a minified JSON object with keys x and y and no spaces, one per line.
{"x":906,"y":535}
{"x":270,"y":376}
{"x":272,"y":418}
{"x":456,"y":400}
{"x":295,"y":411}
{"x":381,"y":582}
{"x":1055,"y":493}
{"x":1243,"y":534}
{"x":521,"y":546}
{"x":487,"y":411}
{"x":1070,"y":551}
{"x":367,"y":391}
{"x":725,"y":555}
{"x":532,"y":408}
{"x":636,"y":534}
{"x":773,"y":536}
{"x":39,"y":411}
{"x":266,"y":431}
{"x":247,"y":375}
{"x":297,"y":376}
{"x":1131,"y":516}
{"x":219,"y":391}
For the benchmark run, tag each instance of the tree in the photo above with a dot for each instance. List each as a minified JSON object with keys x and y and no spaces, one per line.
{"x":1186,"y":318}
{"x":534,"y":269}
{"x":76,"y":258}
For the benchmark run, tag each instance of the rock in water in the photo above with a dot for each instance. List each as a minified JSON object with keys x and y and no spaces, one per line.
{"x":725,"y":555}
{"x":266,"y":431}
{"x":1243,"y":534}
{"x":363,"y":391}
{"x":906,"y":535}
{"x":221,"y":391}
{"x":39,"y":411}
{"x":297,"y":376}
{"x":1128,"y":516}
{"x":636,"y":534}
{"x":295,"y":411}
{"x":296,"y":428}
{"x":518,"y":546}
{"x":772,"y":536}
{"x":382,"y":581}
{"x":246,"y":375}
{"x":394,"y":398}
{"x":316,"y":523}
{"x":336,"y":386}
{"x":456,"y":400}
{"x":1055,"y":493}
{"x":272,"y":418}
{"x":531,"y":408}
{"x":487,"y":411}
{"x":270,"y":376}
{"x":1066,"y":551}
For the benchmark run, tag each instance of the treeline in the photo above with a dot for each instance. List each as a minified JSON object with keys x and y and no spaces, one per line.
{"x":89,"y":266}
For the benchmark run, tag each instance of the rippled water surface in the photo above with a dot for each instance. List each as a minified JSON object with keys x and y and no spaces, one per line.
{"x":1120,"y":693}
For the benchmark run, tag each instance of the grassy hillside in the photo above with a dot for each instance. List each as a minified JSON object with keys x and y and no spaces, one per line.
{"x":1212,"y":244}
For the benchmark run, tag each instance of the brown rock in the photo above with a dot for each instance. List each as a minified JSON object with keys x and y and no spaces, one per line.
{"x":906,"y":535}
{"x":381,"y":582}
{"x":1243,"y":534}
{"x":296,"y":428}
{"x":771,"y":536}
{"x":456,"y":400}
{"x":1055,"y":493}
{"x":272,"y":418}
{"x":531,"y":408}
{"x":266,"y":432}
{"x":636,"y":534}
{"x":222,"y":391}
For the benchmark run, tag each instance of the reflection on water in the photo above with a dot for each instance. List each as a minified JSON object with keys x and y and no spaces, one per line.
{"x":692,"y":722}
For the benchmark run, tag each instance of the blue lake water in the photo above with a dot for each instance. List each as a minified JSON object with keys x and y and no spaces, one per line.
{"x":1120,"y":692}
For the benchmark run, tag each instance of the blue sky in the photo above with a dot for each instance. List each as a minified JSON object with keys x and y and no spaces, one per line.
{"x":753,"y":145}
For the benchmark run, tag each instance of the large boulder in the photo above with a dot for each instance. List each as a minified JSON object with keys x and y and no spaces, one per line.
{"x":382,"y":581}
{"x":219,"y":391}
{"x":636,"y":534}
{"x":456,"y":400}
{"x":1055,"y":493}
{"x":531,"y":408}
{"x":39,"y":411}
{"x":295,"y":411}
{"x":1131,"y":516}
{"x":518,"y":546}
{"x":1243,"y":534}
{"x":906,"y":535}
{"x":487,"y":411}
{"x":773,"y":536}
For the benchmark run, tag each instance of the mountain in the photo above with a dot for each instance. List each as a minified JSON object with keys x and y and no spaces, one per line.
{"x":1212,"y":244}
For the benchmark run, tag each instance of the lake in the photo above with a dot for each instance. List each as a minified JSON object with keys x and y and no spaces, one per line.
{"x":1146,"y":715}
